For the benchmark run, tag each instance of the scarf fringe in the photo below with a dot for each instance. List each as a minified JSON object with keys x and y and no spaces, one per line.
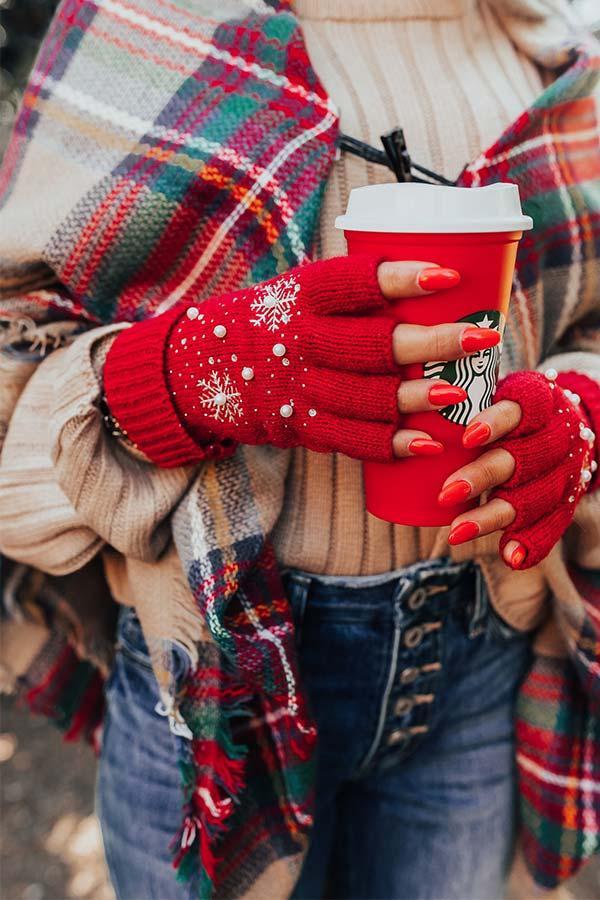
{"x":213,"y":781}
{"x":65,"y":689}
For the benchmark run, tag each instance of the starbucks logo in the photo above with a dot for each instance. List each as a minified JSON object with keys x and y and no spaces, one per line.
{"x":476,"y":374}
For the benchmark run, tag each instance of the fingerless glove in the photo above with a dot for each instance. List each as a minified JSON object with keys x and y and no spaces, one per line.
{"x":555,"y":456}
{"x":304,"y":359}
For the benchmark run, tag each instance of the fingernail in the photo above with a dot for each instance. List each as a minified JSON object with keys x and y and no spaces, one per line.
{"x":438,"y":279}
{"x":476,"y":434}
{"x":517,"y":556}
{"x":466,"y":531}
{"x":454,"y":493}
{"x":474,"y":339}
{"x":446,"y":394}
{"x":425,"y":447}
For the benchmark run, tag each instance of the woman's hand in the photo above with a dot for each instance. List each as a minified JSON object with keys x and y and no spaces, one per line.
{"x":311,"y":358}
{"x":539,"y":464}
{"x":422,"y":343}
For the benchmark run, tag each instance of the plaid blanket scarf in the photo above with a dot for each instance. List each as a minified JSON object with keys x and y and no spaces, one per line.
{"x":186,"y":156}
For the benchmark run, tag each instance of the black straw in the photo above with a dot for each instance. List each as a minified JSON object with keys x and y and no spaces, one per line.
{"x":394,"y":157}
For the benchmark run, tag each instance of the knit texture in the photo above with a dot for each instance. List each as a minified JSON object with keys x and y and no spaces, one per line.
{"x":558,"y":739}
{"x":215,"y":186}
{"x":182,"y":210}
{"x":588,"y":391}
{"x":554,"y":458}
{"x":275,"y":364}
{"x":140,"y":400}
{"x":437,"y":69}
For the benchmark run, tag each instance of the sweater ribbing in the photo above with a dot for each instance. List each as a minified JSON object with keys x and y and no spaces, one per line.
{"x":453,"y":84}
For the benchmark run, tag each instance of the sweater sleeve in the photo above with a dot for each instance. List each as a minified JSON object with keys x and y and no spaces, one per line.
{"x":66,"y":485}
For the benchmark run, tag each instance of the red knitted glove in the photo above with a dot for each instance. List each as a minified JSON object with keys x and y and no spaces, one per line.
{"x":305,"y":358}
{"x":554,"y":451}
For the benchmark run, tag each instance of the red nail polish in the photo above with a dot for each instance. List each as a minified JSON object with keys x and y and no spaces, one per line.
{"x":443,"y":394}
{"x":425,"y":447}
{"x":455,"y":492}
{"x":438,"y":279}
{"x":474,"y":339}
{"x":476,"y":434}
{"x":517,"y":556}
{"x":466,"y":531}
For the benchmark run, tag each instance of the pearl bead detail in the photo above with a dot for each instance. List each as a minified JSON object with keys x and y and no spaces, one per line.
{"x":551,"y":374}
{"x":278,"y":349}
{"x":247,"y":373}
{"x":593,"y":465}
{"x":193,"y":312}
{"x":586,"y":476}
{"x":219,"y":331}
{"x":220,"y":399}
{"x":587,"y":434}
{"x":312,"y":412}
{"x":286,"y":410}
{"x":285,"y":361}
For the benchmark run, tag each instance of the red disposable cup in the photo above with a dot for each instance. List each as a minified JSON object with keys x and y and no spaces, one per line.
{"x":405,"y":491}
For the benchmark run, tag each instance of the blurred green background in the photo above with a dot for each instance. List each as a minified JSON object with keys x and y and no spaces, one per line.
{"x":22,"y":26}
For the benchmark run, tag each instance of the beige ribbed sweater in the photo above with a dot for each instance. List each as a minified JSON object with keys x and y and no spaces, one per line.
{"x":448,"y":72}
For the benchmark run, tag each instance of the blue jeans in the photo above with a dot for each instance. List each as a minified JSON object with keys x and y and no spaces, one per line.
{"x":412,"y":679}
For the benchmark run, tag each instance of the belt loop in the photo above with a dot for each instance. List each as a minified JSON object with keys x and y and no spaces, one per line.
{"x":480,"y":605}
{"x":299,"y":588}
{"x":401,"y":591}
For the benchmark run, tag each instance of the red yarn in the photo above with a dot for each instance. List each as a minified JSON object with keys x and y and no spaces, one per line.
{"x":551,"y":457}
{"x":304,"y":359}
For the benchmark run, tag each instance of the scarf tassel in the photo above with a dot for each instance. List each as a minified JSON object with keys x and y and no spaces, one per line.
{"x":213,"y":780}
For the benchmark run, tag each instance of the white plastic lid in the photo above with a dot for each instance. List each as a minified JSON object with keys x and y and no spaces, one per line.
{"x":420,"y":208}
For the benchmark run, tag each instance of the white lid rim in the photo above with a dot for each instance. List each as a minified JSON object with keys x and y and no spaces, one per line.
{"x":472,"y":226}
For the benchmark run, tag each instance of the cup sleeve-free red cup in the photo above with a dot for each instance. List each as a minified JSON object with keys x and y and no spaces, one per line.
{"x":475,"y":231}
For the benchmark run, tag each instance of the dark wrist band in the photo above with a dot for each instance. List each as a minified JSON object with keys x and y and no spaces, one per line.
{"x":111,"y":424}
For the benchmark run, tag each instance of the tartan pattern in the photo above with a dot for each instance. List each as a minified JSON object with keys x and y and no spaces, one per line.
{"x":247,"y":134}
{"x":558,"y":755}
{"x":201,"y":169}
{"x":67,"y":690}
{"x":248,"y":773}
{"x":551,"y":152}
{"x":210,"y":180}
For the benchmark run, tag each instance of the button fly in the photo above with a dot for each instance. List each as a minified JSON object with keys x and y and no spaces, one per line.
{"x":396,"y":736}
{"x":403,"y":706}
{"x":413,"y":637}
{"x":409,"y":675}
{"x":416,"y":600}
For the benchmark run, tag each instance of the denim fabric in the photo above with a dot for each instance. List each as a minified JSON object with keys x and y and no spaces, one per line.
{"x":412,"y":679}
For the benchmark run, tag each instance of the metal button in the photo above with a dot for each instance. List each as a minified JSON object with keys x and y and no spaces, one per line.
{"x":416,"y":600}
{"x":413,"y":637}
{"x":396,"y":736}
{"x":403,"y":706}
{"x":409,"y":675}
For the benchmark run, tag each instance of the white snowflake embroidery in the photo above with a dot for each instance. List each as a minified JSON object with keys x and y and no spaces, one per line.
{"x":273,"y":302}
{"x":220,"y":396}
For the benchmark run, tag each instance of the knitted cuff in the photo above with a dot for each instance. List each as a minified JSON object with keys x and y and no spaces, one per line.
{"x":139,"y":400}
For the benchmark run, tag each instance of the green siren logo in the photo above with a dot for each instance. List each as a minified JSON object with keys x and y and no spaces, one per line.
{"x":477,"y":374}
